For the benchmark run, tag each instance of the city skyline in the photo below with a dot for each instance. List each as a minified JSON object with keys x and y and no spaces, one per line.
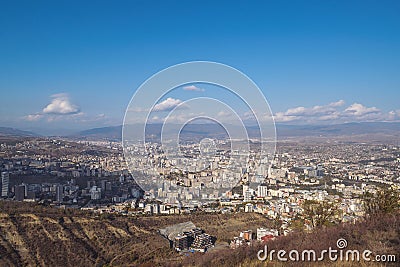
{"x":69,"y":66}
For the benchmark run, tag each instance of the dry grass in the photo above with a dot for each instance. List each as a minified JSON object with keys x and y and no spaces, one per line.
{"x":33,"y":235}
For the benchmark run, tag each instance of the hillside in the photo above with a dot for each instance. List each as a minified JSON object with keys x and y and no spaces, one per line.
{"x":380,"y":235}
{"x":7,"y":131}
{"x":109,"y":133}
{"x":34,"y":235}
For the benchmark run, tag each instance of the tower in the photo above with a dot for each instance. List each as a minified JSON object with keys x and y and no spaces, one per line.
{"x":59,"y":193}
{"x":5,"y":181}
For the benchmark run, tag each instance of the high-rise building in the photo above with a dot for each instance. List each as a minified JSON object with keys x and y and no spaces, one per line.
{"x":247,"y":196}
{"x":246,"y":193}
{"x":262,"y":190}
{"x":19,"y":192}
{"x":245,"y":188}
{"x":95,"y":193}
{"x":103,"y":185}
{"x":5,"y":182}
{"x":320,"y":171}
{"x":59,"y":193}
{"x":108,"y":186}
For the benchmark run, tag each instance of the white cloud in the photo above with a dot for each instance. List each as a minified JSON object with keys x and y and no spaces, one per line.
{"x":359,"y":110}
{"x":223,"y":113}
{"x":314,"y":111}
{"x":282,"y":117}
{"x":33,"y":117}
{"x":168,"y":104}
{"x":61,"y":109}
{"x":298,"y":111}
{"x":335,"y":113}
{"x":193,"y":88}
{"x":137,"y":109}
{"x":61,"y":105}
{"x":324,"y":112}
{"x":337,"y":103}
{"x":394,"y":115}
{"x":157,"y":118}
{"x":330,"y":117}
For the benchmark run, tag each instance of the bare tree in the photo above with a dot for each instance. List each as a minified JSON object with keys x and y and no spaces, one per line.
{"x":319,"y":213}
{"x":385,"y":200}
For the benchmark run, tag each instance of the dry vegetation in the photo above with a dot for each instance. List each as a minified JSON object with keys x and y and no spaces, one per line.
{"x":379,"y":234}
{"x":34,"y":235}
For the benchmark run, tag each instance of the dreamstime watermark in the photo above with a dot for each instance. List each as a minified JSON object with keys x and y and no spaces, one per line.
{"x":332,"y":254}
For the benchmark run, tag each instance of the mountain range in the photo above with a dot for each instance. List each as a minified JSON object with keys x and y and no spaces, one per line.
{"x":7,"y":131}
{"x":283,"y":130}
{"x":195,"y":131}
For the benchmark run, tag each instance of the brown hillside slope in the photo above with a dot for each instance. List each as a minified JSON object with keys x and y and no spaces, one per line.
{"x":33,"y":235}
{"x":380,"y":234}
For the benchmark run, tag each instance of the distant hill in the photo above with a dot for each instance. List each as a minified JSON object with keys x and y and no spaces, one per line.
{"x":198,"y":131}
{"x":7,"y":131}
{"x":388,"y":128}
{"x":109,"y":133}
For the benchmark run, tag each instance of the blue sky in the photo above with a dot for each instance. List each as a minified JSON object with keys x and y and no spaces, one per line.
{"x":71,"y":65}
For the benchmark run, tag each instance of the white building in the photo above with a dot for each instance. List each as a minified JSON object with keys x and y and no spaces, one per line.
{"x":95,"y":193}
{"x":5,"y":183}
{"x":262,"y":190}
{"x":248,"y":207}
{"x":247,"y":196}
